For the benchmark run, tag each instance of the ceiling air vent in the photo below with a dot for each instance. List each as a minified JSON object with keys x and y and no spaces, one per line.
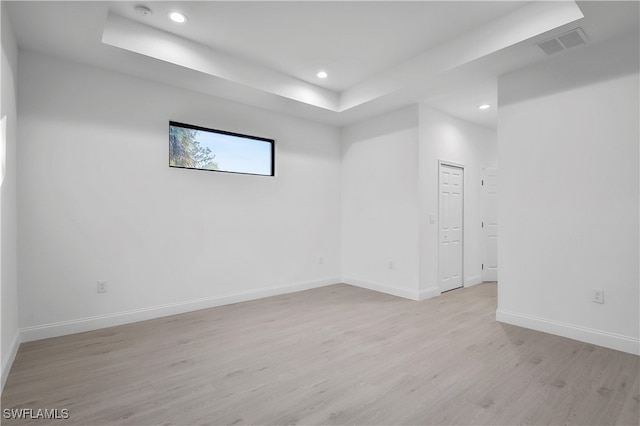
{"x":564,"y":41}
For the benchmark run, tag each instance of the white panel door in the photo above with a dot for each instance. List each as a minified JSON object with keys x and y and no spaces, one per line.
{"x":450,"y":225}
{"x":490,"y":224}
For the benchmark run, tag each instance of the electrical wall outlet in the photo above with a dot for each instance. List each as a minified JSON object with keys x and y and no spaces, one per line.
{"x":598,"y":295}
{"x":320,"y":260}
{"x":390,"y":264}
{"x":102,"y":287}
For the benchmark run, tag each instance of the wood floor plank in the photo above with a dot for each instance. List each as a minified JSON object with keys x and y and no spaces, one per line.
{"x":334,"y":355}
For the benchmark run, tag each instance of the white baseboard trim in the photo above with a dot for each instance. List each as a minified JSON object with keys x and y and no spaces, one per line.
{"x":63,"y":328}
{"x":383,"y":288}
{"x":430,"y":292}
{"x":9,"y":357}
{"x":471,"y":281}
{"x":601,"y":338}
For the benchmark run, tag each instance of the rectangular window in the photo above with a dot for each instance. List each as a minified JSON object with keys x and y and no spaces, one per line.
{"x":194,"y":147}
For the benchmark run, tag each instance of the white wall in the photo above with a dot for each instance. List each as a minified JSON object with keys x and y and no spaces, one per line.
{"x":8,"y":203}
{"x":446,"y":138}
{"x":380,"y":203}
{"x":568,"y":152}
{"x":98,"y":201}
{"x":390,"y":187}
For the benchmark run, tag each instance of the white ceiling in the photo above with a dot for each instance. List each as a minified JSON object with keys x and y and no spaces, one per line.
{"x":379,"y":55}
{"x":350,"y":40}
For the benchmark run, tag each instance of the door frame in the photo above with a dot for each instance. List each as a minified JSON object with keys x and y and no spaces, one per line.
{"x":460,"y":166}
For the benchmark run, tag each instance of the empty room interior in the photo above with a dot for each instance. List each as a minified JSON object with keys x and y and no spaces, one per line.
{"x":320,"y":212}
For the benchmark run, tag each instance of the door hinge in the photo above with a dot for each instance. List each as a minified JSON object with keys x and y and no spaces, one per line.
{"x":482,"y":182}
{"x":483,"y":266}
{"x":483,"y":224}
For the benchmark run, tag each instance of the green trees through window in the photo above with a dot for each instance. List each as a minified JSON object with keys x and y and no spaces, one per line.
{"x":186,"y":151}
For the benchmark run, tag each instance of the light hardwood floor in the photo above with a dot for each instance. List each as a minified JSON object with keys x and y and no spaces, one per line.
{"x":334,"y":355}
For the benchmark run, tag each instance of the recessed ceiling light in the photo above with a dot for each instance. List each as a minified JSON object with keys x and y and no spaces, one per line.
{"x":322,"y":74}
{"x":178,"y":17}
{"x":484,"y":106}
